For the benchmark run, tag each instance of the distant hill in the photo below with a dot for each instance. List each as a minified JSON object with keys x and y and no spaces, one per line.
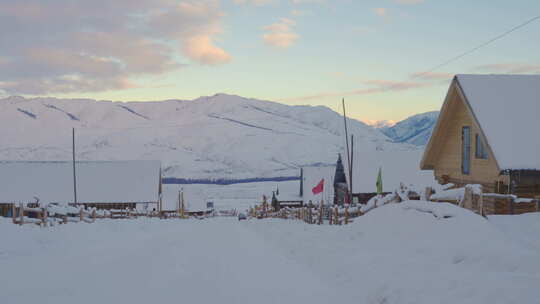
{"x":214,"y":137}
{"x":415,"y":130}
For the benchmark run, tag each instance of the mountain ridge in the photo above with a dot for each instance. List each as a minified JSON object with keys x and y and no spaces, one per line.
{"x":219,"y":136}
{"x":415,"y":130}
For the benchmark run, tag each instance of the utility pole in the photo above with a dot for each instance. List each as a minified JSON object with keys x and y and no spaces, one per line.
{"x":348,"y":152}
{"x":351,"y":170}
{"x":74,"y":173}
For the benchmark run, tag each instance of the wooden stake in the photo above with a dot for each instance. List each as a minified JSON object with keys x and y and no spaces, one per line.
{"x":21,"y":214}
{"x":14,"y":213}
{"x":45,"y":217}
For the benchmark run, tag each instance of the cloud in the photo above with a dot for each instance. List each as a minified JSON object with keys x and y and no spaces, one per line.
{"x":254,"y":2}
{"x":516,"y":68}
{"x":307,"y":1}
{"x":374,"y":86}
{"x":408,"y":1}
{"x":380,"y":11}
{"x":51,"y":46}
{"x":280,"y":34}
{"x":433,"y":76}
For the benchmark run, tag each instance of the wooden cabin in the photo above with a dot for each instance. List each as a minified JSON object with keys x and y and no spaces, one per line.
{"x":99,"y":184}
{"x":487,"y":133}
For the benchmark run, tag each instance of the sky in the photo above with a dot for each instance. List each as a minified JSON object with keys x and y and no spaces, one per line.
{"x":296,"y":52}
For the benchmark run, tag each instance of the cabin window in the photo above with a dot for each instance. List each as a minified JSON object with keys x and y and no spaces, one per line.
{"x":480,"y":148}
{"x":466,"y":150}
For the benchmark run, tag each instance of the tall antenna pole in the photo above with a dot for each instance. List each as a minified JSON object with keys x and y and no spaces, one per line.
{"x":351,"y":168}
{"x":347,"y":145}
{"x":74,"y":174}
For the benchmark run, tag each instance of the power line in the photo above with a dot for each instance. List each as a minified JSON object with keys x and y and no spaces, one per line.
{"x":478,"y":47}
{"x":472,"y":50}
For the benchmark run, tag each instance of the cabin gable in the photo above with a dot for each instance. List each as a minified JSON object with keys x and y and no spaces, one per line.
{"x":445,"y":152}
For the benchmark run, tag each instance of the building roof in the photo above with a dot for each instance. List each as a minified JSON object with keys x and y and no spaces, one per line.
{"x":97,"y":182}
{"x":507,"y":109}
{"x":312,"y":177}
{"x":396,"y":166}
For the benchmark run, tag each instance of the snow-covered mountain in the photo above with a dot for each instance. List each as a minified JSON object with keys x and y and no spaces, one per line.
{"x":378,"y":124}
{"x":415,"y":130}
{"x":220,"y":136}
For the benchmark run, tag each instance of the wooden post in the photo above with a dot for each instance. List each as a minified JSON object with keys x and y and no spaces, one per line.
{"x":510,"y":202}
{"x":481,"y":204}
{"x":21,"y":214}
{"x":45,"y":217}
{"x":330,"y":218}
{"x":14,"y":213}
{"x":467,"y":198}
{"x":429,"y":193}
{"x":346,"y":215}
{"x":321,"y":213}
{"x":80,"y":215}
{"x":336,"y":216}
{"x":94,"y":215}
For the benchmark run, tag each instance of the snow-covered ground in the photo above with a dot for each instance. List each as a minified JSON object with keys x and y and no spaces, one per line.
{"x":398,"y":253}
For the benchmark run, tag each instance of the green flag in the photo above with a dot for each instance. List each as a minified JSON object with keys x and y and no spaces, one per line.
{"x":379,"y":182}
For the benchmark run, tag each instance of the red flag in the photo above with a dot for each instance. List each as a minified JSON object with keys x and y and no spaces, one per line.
{"x":319,"y":188}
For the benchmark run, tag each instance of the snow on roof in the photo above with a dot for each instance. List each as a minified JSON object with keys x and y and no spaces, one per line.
{"x":397,"y":167}
{"x":507,"y":108}
{"x":312,"y":177}
{"x":97,"y":182}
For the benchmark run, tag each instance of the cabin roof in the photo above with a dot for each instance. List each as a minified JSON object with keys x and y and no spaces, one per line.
{"x":507,"y":108}
{"x":97,"y":181}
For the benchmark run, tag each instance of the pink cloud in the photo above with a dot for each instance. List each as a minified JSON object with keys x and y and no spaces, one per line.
{"x":408,"y":1}
{"x":380,"y":11}
{"x":201,"y":49}
{"x":516,"y":68}
{"x":433,"y":76}
{"x":376,"y":86}
{"x":103,"y":39}
{"x":281,"y":34}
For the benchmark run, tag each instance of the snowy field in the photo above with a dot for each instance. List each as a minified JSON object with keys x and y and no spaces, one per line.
{"x":226,"y":197}
{"x":395,"y":254}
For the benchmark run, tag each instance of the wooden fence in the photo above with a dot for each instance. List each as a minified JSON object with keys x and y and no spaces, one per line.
{"x":492,"y":203}
{"x":22,"y":215}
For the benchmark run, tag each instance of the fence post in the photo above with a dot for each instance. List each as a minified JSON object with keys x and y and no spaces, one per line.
{"x":45,"y":217}
{"x":13,"y":213}
{"x":481,"y":204}
{"x":21,"y":214}
{"x":321,"y":213}
{"x":94,"y":215}
{"x":429,"y":193}
{"x":80,"y":215}
{"x":346,"y":215}
{"x":510,"y":201}
{"x":330,"y":216}
{"x":466,"y":202}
